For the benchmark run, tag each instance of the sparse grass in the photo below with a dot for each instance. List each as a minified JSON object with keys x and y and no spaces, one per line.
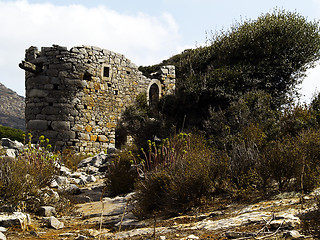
{"x":33,"y":169}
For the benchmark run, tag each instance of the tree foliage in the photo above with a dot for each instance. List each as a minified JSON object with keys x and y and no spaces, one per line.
{"x":270,"y":54}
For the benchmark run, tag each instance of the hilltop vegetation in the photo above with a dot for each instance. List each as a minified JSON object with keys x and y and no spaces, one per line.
{"x":270,"y":54}
{"x":11,"y":133}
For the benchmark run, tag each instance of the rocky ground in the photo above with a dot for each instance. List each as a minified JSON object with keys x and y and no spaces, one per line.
{"x":96,"y":216}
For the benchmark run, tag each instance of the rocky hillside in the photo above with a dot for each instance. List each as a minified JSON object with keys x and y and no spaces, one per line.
{"x":11,"y":108}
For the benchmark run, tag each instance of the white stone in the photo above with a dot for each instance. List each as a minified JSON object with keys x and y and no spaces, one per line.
{"x":91,"y":178}
{"x":294,"y":234}
{"x":65,"y":171}
{"x":55,"y":223}
{"x":47,"y":211}
{"x":15,"y":219}
{"x":62,"y":181}
{"x":11,"y":153}
{"x":2,"y":236}
{"x":192,"y":237}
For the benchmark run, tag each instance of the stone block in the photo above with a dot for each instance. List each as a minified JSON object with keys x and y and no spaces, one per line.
{"x":52,"y":72}
{"x":102,"y":138}
{"x":50,"y":134}
{"x":111,"y":125}
{"x":55,"y":223}
{"x":39,"y":125}
{"x":84,"y":136}
{"x":50,"y":110}
{"x":60,"y":125}
{"x":66,"y":135}
{"x":37,"y":93}
{"x":88,"y":128}
{"x":93,"y":138}
{"x":47,"y":211}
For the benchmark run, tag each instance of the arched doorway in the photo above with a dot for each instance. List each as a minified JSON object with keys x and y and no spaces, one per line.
{"x":154,"y":96}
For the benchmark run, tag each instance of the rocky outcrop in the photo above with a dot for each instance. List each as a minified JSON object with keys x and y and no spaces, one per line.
{"x":11,"y":108}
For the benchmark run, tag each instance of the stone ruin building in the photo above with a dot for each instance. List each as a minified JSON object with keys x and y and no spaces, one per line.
{"x":75,"y":97}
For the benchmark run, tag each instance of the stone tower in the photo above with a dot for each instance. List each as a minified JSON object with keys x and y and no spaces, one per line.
{"x":75,"y":97}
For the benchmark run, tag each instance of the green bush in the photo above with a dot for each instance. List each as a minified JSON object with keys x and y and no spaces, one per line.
{"x":33,"y":169}
{"x":11,"y":133}
{"x":183,"y":170}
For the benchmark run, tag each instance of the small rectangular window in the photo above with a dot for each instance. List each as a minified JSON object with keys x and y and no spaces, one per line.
{"x":106,"y":71}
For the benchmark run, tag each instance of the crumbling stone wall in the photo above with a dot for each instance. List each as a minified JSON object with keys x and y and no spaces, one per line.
{"x":75,"y":97}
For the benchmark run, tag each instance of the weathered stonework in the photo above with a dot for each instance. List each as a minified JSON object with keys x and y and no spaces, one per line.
{"x":75,"y":97}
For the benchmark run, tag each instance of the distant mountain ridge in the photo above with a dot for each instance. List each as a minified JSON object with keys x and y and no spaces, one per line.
{"x":11,"y":108}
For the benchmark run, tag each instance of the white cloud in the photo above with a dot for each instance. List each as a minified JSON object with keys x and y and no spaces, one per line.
{"x":311,"y":84}
{"x":142,"y":38}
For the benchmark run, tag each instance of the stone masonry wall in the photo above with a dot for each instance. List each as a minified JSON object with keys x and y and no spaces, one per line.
{"x":75,"y":97}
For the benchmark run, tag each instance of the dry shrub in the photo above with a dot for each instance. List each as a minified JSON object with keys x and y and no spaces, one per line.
{"x":71,"y":159}
{"x":171,"y":187}
{"x":294,"y":161}
{"x":21,"y":177}
{"x":121,"y":174}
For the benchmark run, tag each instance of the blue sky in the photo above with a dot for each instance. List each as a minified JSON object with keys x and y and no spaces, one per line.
{"x":145,"y":31}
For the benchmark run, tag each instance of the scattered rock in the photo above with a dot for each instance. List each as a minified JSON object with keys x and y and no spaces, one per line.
{"x":91,"y":170}
{"x":48,"y":196}
{"x":93,"y":233}
{"x":62,"y":181}
{"x":54,"y":184}
{"x":162,"y":238}
{"x":72,"y":189}
{"x":95,"y":161}
{"x":64,"y":171}
{"x":15,"y":219}
{"x":2,"y":236}
{"x":11,"y":153}
{"x":91,"y":178}
{"x":6,"y":142}
{"x":3,"y":229}
{"x":190,"y":237}
{"x":55,"y":223}
{"x":292,"y":235}
{"x":47,"y":211}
